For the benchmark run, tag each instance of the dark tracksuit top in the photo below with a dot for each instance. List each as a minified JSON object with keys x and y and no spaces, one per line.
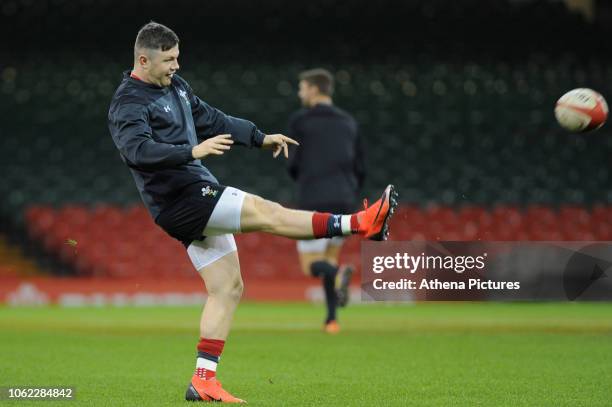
{"x":329,"y":165}
{"x":155,"y":129}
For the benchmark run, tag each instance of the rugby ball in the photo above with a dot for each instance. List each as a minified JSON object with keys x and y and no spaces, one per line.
{"x":581,"y":110}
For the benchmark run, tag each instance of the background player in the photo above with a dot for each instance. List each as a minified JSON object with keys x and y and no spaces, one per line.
{"x":157,"y":123}
{"x":329,"y":170}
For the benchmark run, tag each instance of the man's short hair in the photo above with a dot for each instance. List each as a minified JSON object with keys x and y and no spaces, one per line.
{"x":156,"y":36}
{"x":321,"y":78}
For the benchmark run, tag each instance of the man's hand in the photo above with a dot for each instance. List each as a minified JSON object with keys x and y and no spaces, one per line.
{"x":215,"y":145}
{"x":279,"y":143}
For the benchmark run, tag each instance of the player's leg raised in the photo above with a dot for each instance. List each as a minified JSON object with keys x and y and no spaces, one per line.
{"x":259,"y":214}
{"x":240,"y":212}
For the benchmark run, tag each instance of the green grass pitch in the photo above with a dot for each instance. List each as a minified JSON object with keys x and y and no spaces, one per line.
{"x":434,"y":354}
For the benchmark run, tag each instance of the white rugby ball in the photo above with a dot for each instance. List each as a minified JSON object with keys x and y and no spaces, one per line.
{"x":581,"y":110}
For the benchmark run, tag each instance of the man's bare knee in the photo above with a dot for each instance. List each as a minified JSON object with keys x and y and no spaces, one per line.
{"x":230,"y":288}
{"x":222,"y":278}
{"x":262,"y":215}
{"x":231,"y":291}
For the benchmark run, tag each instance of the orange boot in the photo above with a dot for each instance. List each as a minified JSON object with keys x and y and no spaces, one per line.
{"x":374,"y":220}
{"x":331,"y":327}
{"x":209,"y":390}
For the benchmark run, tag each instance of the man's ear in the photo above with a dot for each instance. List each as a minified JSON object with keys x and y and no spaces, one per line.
{"x":143,"y":60}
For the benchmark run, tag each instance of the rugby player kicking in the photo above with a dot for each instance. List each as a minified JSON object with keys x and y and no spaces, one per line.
{"x":162,"y":131}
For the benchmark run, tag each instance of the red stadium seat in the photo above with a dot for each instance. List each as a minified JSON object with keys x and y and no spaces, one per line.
{"x":115,"y":242}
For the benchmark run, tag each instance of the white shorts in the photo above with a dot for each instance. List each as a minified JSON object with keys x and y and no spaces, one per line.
{"x":224,"y":220}
{"x":319,"y":245}
{"x":205,"y":252}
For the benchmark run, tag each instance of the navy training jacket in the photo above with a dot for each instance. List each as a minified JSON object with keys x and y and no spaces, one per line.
{"x":155,"y":128}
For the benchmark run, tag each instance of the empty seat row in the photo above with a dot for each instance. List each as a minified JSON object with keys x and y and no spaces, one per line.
{"x":115,"y":241}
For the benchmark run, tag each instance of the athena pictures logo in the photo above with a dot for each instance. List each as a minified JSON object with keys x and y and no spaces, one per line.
{"x":208,"y":191}
{"x":474,"y":271}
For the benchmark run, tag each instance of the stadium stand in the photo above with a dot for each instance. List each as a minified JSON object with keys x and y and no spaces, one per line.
{"x":112,"y":242}
{"x":445,"y":140}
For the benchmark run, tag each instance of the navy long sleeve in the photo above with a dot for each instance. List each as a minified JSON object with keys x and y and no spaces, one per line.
{"x":155,"y":130}
{"x":136,"y":145}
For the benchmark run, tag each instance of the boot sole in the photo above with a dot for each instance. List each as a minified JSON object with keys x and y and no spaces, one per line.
{"x":384,"y":232}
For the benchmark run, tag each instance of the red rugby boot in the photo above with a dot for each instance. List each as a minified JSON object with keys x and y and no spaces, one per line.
{"x":209,"y":390}
{"x":374,"y":219}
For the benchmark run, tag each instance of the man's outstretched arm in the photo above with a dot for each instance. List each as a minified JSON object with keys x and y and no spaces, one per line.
{"x":132,"y":136}
{"x":210,"y":122}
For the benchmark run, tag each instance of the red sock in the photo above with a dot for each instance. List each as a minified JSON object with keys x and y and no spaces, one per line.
{"x":354,"y":223}
{"x":209,"y":352}
{"x":213,"y":347}
{"x":319,"y":224}
{"x":320,"y":227}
